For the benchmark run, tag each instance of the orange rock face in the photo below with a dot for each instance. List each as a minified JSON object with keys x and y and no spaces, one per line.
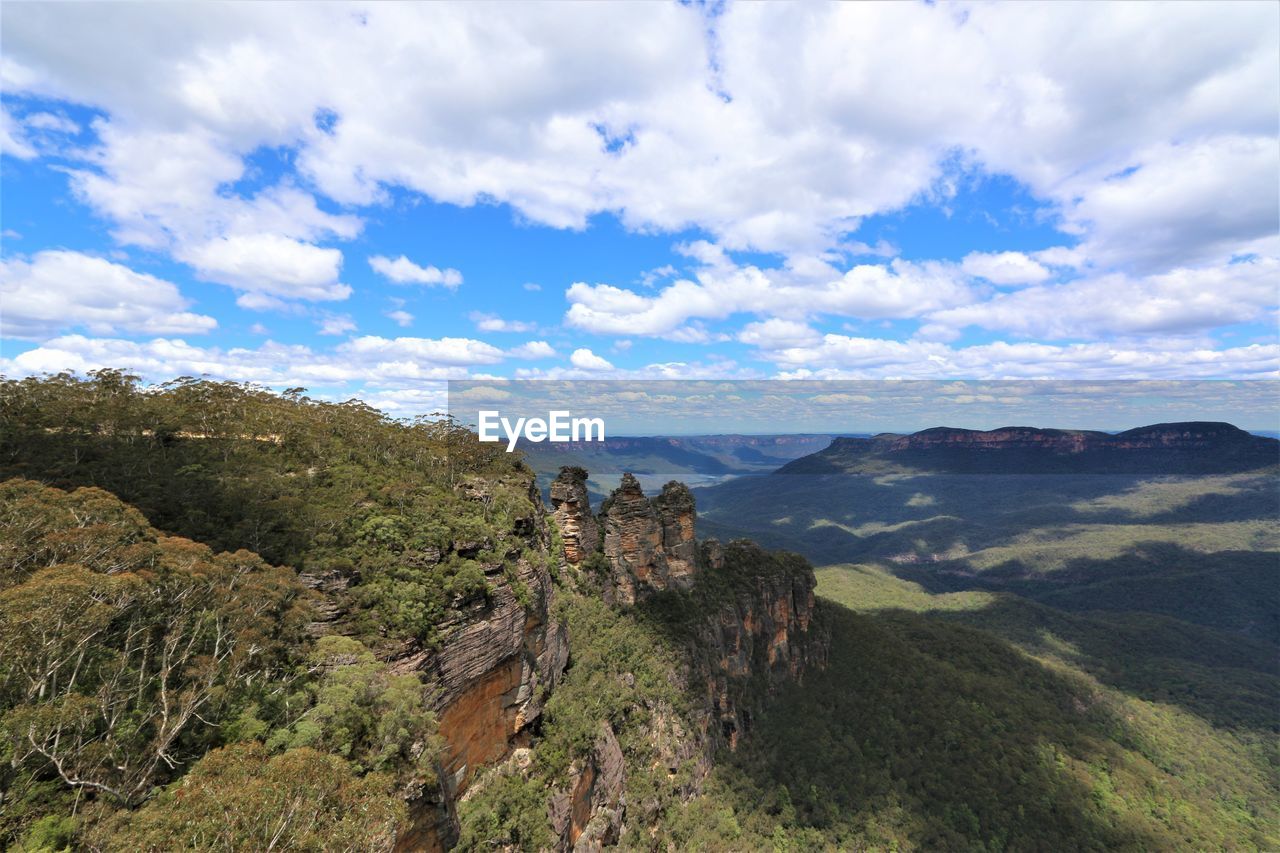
{"x":650,"y":544}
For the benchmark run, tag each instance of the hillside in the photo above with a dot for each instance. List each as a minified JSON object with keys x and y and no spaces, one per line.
{"x":232,"y":619}
{"x":1173,"y":448}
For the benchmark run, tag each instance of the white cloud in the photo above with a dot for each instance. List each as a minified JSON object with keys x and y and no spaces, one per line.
{"x":493,"y":323}
{"x":401,"y":317}
{"x":778,"y":334}
{"x":13,"y":140}
{"x":870,"y":291}
{"x":445,"y":351}
{"x":404,"y":271}
{"x":532,"y":350}
{"x":370,"y":359}
{"x":864,"y":109}
{"x":271,"y":266}
{"x":585,"y":359}
{"x":51,"y":122}
{"x":1185,"y":204}
{"x":532,"y":286}
{"x":1006,"y":268}
{"x":59,"y":290}
{"x":336,"y":325}
{"x":1184,"y":300}
{"x":624,"y":111}
{"x":842,"y":357}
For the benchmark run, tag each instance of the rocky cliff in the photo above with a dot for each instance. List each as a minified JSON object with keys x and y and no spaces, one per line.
{"x":1197,"y":447}
{"x":499,"y":656}
{"x":650,"y":544}
{"x":747,"y":628}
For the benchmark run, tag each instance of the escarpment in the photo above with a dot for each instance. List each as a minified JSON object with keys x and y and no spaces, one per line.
{"x":745,"y":622}
{"x":499,"y":655}
{"x":742,"y":621}
{"x":649,"y":544}
{"x":1197,"y":447}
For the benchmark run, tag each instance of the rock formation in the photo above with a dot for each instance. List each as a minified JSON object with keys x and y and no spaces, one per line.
{"x":650,"y":544}
{"x":588,"y":815}
{"x":571,"y":508}
{"x":496,"y":662}
{"x":503,"y":653}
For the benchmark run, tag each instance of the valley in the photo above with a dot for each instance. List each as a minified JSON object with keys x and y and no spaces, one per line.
{"x":410,"y":632}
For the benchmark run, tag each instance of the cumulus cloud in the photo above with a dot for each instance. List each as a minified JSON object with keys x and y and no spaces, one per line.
{"x":1160,"y":183}
{"x":404,"y":271}
{"x":585,"y":359}
{"x":336,"y":325}
{"x":721,"y":288}
{"x":401,"y":317}
{"x":778,"y":334}
{"x":57,"y":290}
{"x":845,"y":357}
{"x":1184,"y":300}
{"x":624,"y":111}
{"x":1006,"y":268}
{"x":533,"y":350}
{"x":269,"y":265}
{"x":368,"y":359}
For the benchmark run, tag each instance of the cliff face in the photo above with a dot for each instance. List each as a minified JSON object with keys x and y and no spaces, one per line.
{"x":763,"y":632}
{"x":649,"y":544}
{"x":499,"y":660}
{"x":752,"y":630}
{"x":571,"y":508}
{"x":496,"y":662}
{"x":1174,"y":448}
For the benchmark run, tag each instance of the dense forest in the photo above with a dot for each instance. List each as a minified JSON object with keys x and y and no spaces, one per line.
{"x":168,"y":678}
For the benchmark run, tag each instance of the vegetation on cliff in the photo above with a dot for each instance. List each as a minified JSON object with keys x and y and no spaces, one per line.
{"x":157,"y":642}
{"x":218,"y":609}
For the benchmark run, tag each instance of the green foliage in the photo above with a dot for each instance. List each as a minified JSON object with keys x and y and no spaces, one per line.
{"x":115,"y":670}
{"x":357,"y":709}
{"x":928,"y":735}
{"x":242,"y":798}
{"x":321,"y":487}
{"x":622,"y":667}
{"x":49,"y":833}
{"x":509,"y":811}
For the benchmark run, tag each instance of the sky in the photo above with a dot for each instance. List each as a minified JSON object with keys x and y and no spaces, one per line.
{"x":368,"y":199}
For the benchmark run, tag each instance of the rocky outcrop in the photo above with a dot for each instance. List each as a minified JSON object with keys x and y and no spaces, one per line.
{"x":753,"y":630}
{"x":497,"y":660}
{"x":1198,"y":447}
{"x":588,"y":815}
{"x":763,"y":631}
{"x":571,"y":508}
{"x":650,"y":544}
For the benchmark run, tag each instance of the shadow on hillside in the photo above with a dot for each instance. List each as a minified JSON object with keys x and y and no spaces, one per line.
{"x":217,"y":492}
{"x":1235,"y":591}
{"x":931,"y":734}
{"x":980,"y":510}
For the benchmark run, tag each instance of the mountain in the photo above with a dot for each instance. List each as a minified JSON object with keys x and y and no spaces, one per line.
{"x":276,"y":621}
{"x":231,"y":618}
{"x":654,"y":460}
{"x":1173,"y":448}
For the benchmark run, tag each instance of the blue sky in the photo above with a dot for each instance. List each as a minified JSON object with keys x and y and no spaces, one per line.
{"x":369,"y":199}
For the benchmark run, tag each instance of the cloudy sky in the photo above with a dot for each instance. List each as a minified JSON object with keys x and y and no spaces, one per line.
{"x":368,"y":198}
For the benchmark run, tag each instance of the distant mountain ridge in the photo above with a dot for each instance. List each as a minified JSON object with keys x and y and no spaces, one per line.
{"x":1192,"y":447}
